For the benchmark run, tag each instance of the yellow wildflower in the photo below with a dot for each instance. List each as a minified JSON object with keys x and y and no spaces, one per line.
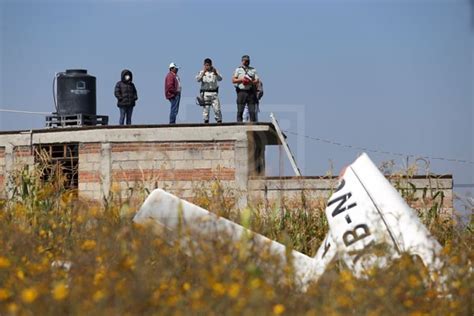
{"x":60,"y":291}
{"x":12,"y":308}
{"x":408,"y":303}
{"x":88,"y":244}
{"x":4,"y":263}
{"x":186,"y":286}
{"x":80,"y":218}
{"x":20,"y":274}
{"x":218,"y":288}
{"x":255,"y":283}
{"x":29,"y":295}
{"x":128,"y":263}
{"x":278,"y":309}
{"x":345,"y":276}
{"x":349,"y":286}
{"x":99,"y":276}
{"x":234,"y":290}
{"x":98,"y":295}
{"x":172,"y":300}
{"x":413,"y":281}
{"x":380,"y":291}
{"x":99,"y":259}
{"x":343,"y":300}
{"x":94,"y":211}
{"x":4,"y":294}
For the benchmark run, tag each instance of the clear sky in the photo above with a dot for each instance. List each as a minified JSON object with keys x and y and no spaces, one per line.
{"x":391,"y":75}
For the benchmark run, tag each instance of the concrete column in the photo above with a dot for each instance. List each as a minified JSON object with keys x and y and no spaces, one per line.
{"x":106,"y":168}
{"x":242,"y":170}
{"x":8,"y":170}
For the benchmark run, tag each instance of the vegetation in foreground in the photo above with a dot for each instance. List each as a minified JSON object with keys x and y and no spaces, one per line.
{"x":62,"y":255}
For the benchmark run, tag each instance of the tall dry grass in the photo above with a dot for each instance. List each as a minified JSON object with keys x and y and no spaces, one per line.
{"x":62,"y":255}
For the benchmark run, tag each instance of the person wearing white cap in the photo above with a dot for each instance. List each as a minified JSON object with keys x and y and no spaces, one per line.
{"x":173,"y":91}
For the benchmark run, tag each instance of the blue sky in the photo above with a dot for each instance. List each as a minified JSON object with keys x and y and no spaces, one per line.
{"x":391,"y":75}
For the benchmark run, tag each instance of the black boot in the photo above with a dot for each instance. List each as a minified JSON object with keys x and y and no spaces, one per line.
{"x":206,"y":121}
{"x":219,"y":122}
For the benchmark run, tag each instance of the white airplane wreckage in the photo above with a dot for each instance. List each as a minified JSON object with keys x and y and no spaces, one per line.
{"x":365,"y":214}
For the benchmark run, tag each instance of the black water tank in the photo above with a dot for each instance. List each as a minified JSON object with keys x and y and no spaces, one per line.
{"x":76,"y":93}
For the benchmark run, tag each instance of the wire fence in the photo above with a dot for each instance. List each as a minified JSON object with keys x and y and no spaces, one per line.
{"x":378,"y":151}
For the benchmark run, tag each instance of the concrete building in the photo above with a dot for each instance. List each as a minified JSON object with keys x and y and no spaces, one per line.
{"x":179,"y":158}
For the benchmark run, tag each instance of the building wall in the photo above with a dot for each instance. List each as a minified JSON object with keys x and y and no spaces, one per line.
{"x":176,"y":157}
{"x":185,"y":160}
{"x":3,"y":175}
{"x":180,"y":167}
{"x":419,"y":191}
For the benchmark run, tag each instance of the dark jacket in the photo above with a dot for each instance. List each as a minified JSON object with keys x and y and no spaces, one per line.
{"x":125,"y":91}
{"x":171,"y":85}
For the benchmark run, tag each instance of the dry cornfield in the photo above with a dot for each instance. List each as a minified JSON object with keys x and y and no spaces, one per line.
{"x":62,"y":255}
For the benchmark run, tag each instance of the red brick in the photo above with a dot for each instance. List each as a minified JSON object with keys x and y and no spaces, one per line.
{"x":175,"y":146}
{"x":89,"y":148}
{"x":89,"y":176}
{"x":173,"y":175}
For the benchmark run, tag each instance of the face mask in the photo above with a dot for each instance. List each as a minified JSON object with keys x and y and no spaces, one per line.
{"x":127,"y":77}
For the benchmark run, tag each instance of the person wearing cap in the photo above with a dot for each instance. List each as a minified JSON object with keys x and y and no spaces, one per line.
{"x":245,"y":80}
{"x":173,"y":91}
{"x":208,"y":77}
{"x":126,"y":95}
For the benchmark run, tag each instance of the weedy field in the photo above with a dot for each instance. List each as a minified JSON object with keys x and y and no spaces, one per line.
{"x":61,"y":255}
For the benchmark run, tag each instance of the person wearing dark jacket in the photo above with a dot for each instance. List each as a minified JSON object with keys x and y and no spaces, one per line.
{"x":173,"y":91}
{"x":126,"y":95}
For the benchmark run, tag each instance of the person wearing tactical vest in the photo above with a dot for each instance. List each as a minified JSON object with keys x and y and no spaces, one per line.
{"x":208,"y":77}
{"x":126,"y":95}
{"x":257,"y":105}
{"x":245,"y":80}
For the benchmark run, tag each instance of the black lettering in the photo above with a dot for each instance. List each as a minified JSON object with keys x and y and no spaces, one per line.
{"x":341,"y":185}
{"x":340,"y":207}
{"x":359,"y":253}
{"x":351,"y":236}
{"x":327,"y":245}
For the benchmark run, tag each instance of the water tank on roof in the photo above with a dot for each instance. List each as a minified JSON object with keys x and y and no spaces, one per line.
{"x":76,"y":93}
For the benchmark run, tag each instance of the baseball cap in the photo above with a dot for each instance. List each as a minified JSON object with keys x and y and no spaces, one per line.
{"x":173,"y":65}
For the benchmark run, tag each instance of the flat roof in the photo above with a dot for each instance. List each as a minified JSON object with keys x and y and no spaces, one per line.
{"x":98,"y":127}
{"x":264,"y":132}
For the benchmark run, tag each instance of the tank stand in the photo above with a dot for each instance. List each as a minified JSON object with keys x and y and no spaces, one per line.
{"x":70,"y":120}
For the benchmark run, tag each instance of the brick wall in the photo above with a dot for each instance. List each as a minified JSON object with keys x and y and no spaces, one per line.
{"x":89,"y":170}
{"x":420,"y":192}
{"x":3,"y":174}
{"x":180,"y":167}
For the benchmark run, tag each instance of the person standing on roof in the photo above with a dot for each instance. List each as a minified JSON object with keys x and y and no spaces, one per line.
{"x":126,"y":95}
{"x":257,"y":105}
{"x":245,"y":80}
{"x":208,"y":77}
{"x":173,"y":91}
